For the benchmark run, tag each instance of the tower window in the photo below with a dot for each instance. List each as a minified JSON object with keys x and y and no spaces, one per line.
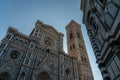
{"x":82,"y":58}
{"x":22,"y":76}
{"x":70,"y":47}
{"x":71,"y":35}
{"x":43,"y":76}
{"x":73,"y":46}
{"x":79,"y":45}
{"x":78,"y":35}
{"x":85,"y":60}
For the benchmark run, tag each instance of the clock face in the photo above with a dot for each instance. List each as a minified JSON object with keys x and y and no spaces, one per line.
{"x":47,"y":42}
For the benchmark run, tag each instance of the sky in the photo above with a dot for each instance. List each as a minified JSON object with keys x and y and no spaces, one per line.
{"x":22,"y":15}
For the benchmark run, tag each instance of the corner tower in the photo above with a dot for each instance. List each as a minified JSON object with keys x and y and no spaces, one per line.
{"x":77,"y":50}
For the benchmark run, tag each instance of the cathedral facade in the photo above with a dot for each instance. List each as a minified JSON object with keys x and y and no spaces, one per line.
{"x":40,"y":56}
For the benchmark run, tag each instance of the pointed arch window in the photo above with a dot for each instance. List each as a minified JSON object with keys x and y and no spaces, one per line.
{"x":79,"y":46}
{"x":82,"y":58}
{"x":70,"y":47}
{"x":78,"y":34}
{"x":73,"y":46}
{"x":67,"y":75}
{"x":71,"y":35}
{"x":43,"y":76}
{"x":22,"y":76}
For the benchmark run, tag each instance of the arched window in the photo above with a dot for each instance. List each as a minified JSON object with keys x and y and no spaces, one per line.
{"x":85,"y":59}
{"x":73,"y":46}
{"x":67,"y":71}
{"x":43,"y":76}
{"x":21,"y":43}
{"x":79,"y":46}
{"x":47,"y":50}
{"x":70,"y":47}
{"x":78,"y":34}
{"x":67,"y":75}
{"x":22,"y":76}
{"x":82,"y":58}
{"x":71,"y":35}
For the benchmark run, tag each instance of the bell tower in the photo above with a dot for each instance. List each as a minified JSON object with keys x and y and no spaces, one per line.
{"x":77,"y":50}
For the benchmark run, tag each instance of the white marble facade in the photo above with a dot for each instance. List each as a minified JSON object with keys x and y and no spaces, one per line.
{"x":39,"y":56}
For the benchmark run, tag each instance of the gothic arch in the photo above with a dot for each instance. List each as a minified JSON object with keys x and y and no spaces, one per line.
{"x":71,"y":35}
{"x":67,"y":74}
{"x":67,"y":71}
{"x":43,"y":76}
{"x":5,"y":76}
{"x":22,"y":76}
{"x":48,"y":50}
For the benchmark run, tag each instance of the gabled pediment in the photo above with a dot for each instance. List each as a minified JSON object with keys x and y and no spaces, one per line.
{"x":46,"y":27}
{"x":50,"y":28}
